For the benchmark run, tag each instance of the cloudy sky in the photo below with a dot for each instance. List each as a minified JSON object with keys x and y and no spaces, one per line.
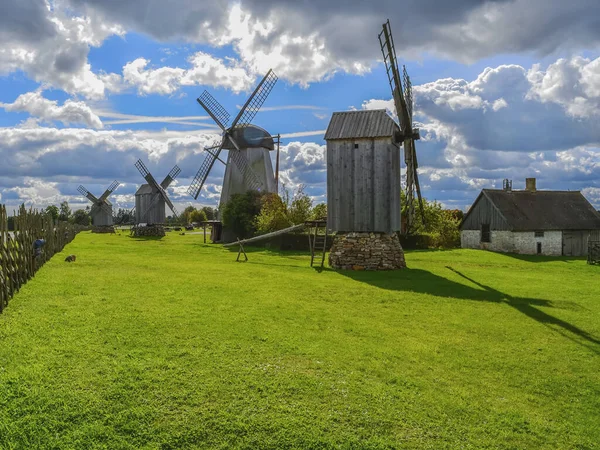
{"x":503,"y":89}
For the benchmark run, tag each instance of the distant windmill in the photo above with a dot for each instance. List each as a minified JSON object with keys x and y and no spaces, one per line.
{"x":248,"y":146}
{"x":101,"y":208}
{"x":151,"y":198}
{"x":403,"y":102}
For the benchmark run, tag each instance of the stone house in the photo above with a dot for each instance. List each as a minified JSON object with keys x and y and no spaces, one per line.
{"x":552,"y":223}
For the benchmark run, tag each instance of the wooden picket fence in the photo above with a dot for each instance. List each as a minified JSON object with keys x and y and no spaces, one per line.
{"x":18,"y":262}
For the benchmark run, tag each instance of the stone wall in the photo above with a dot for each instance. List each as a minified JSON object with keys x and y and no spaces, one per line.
{"x":151,"y":230}
{"x":366,"y":251}
{"x":523,"y":242}
{"x":526,"y":243}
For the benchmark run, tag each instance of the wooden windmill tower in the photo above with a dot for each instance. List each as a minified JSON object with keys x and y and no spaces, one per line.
{"x":151,"y":198}
{"x":102,"y":211}
{"x":403,"y":102}
{"x":363,"y":178}
{"x":248,"y":165}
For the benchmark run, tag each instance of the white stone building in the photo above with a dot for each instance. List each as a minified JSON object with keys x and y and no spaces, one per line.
{"x":552,"y":223}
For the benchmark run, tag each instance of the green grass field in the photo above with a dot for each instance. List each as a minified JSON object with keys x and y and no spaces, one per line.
{"x":171,"y":344}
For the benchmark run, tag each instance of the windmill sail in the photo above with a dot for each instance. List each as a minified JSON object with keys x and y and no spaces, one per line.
{"x":114,"y":185}
{"x":256,"y":100}
{"x":221,"y":118}
{"x":141,"y":167}
{"x":403,"y":102}
{"x":202,"y":174}
{"x":214,"y":109}
{"x":97,"y":202}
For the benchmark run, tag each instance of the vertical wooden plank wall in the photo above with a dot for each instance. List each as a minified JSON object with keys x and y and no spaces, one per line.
{"x":17,"y":260}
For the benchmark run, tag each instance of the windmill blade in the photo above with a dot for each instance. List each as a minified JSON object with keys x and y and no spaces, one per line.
{"x":214,"y":109}
{"x":408,"y":97}
{"x":202,"y":174}
{"x":114,"y":185}
{"x":145,"y":172}
{"x":170,"y":177}
{"x":83,"y":191}
{"x":252,"y":180}
{"x":388,"y":51}
{"x":256,"y":100}
{"x":415,"y":165}
{"x":96,"y":202}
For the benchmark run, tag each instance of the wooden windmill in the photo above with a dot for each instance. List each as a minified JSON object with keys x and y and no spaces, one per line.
{"x":151,"y":198}
{"x":248,"y":146}
{"x":403,"y":102}
{"x":102,"y":212}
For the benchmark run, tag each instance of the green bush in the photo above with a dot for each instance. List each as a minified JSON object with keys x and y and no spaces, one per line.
{"x":273,"y":215}
{"x":240,"y":212}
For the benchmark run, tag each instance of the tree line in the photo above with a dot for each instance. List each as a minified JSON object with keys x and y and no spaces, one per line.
{"x":255,"y":213}
{"x":63,"y":213}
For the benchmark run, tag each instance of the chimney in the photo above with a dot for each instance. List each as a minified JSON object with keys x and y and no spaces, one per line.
{"x":530,"y":184}
{"x":507,"y":185}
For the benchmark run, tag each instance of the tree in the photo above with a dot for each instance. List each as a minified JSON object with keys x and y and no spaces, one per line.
{"x":319,"y":212}
{"x":65,"y":212}
{"x":211,"y":213}
{"x":240,"y":212}
{"x":123,"y":217}
{"x":185,"y":215}
{"x":53,"y":211}
{"x":441,"y":225}
{"x":81,"y":217}
{"x":273,"y":215}
{"x":198,"y":216}
{"x":299,"y":211}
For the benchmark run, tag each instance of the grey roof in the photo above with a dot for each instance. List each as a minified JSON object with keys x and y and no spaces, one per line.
{"x":544,"y":210}
{"x":144,"y":189}
{"x":361,"y":124}
{"x":249,"y":136}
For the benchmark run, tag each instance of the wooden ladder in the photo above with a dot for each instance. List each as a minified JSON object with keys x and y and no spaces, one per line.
{"x":317,"y":239}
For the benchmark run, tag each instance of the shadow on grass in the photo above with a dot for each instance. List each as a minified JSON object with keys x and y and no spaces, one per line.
{"x":543,"y":258}
{"x":146,"y":238}
{"x":422,"y":281}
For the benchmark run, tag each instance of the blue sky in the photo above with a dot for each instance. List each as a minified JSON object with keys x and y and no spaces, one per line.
{"x":503,"y":89}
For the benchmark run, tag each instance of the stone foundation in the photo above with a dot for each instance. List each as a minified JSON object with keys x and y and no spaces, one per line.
{"x":151,"y":230}
{"x":366,"y":251}
{"x":103,"y":229}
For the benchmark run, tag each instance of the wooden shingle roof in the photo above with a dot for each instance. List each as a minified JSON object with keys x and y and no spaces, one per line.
{"x":361,"y":124}
{"x":544,"y":210}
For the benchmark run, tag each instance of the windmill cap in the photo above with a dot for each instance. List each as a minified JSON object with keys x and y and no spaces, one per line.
{"x":249,"y":136}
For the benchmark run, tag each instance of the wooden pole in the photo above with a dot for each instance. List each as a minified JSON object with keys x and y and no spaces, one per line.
{"x":265,"y":236}
{"x":277,"y":164}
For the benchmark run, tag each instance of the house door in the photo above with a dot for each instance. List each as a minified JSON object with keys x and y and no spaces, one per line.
{"x":574,"y":243}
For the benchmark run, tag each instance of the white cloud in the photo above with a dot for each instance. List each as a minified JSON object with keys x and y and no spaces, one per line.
{"x":71,"y":112}
{"x":57,"y":55}
{"x":204,"y":70}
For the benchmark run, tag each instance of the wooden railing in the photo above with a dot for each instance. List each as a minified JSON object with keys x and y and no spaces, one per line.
{"x":19,"y":261}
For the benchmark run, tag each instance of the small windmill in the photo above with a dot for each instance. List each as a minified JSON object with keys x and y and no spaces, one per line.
{"x":151,"y":198}
{"x":403,"y":102}
{"x":101,"y":208}
{"x":248,"y":146}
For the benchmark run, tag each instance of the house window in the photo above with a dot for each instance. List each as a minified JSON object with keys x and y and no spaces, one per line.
{"x":355,"y":145}
{"x":539,"y":248}
{"x":485,"y":233}
{"x":539,"y":234}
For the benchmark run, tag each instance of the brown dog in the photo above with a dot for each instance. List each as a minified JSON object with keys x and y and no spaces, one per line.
{"x":70,"y":258}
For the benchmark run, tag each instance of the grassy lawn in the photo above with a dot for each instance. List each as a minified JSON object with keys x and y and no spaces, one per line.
{"x":171,"y":344}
